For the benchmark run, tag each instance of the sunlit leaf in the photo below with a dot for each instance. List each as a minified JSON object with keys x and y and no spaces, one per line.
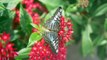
{"x":35,"y":26}
{"x":103,"y":42}
{"x":71,"y":8}
{"x":34,"y":38}
{"x":51,"y":4}
{"x":100,"y":10}
{"x":11,"y":4}
{"x":23,"y":53}
{"x":1,"y":6}
{"x":87,"y":44}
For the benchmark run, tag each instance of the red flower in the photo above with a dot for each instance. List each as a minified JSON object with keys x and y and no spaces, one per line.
{"x":42,"y":51}
{"x":7,"y":52}
{"x":5,"y":36}
{"x":65,"y":30}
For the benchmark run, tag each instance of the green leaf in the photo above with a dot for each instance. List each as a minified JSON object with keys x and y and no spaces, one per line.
{"x":104,"y":42}
{"x":87,"y":45}
{"x":23,"y":53}
{"x":34,"y":38}
{"x":98,"y":40}
{"x":35,"y":26}
{"x":11,"y":4}
{"x":5,"y":1}
{"x":71,"y":8}
{"x":51,"y":4}
{"x":102,"y":52}
{"x":105,"y":24}
{"x":77,"y":18}
{"x":6,"y":20}
{"x":25,"y":21}
{"x":100,"y":10}
{"x":11,"y":14}
{"x":2,"y":7}
{"x":38,"y":27}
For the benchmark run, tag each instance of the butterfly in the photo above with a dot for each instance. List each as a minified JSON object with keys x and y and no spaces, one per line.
{"x":53,"y":26}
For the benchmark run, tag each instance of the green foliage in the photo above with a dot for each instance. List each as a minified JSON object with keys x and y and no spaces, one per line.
{"x":25,"y":21}
{"x":6,"y":18}
{"x":23,"y":53}
{"x":87,"y":44}
{"x":11,"y":4}
{"x":34,"y":38}
{"x":1,"y":7}
{"x":105,"y":24}
{"x":100,"y":10}
{"x":51,"y":6}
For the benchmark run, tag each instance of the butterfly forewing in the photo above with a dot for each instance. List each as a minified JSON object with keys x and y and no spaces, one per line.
{"x":53,"y":22}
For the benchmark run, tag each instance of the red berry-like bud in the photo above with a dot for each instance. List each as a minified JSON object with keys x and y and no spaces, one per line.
{"x":3,"y":52}
{"x":10,"y":46}
{"x":69,"y":23}
{"x":61,"y":32}
{"x":70,"y":32}
{"x":31,"y":1}
{"x":0,"y":45}
{"x":34,"y":49}
{"x":70,"y":27}
{"x":5,"y":36}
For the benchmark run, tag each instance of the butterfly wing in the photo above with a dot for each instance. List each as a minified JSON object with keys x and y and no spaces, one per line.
{"x":52,"y":39}
{"x":53,"y":23}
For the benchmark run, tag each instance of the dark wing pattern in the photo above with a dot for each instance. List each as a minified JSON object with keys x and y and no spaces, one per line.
{"x":52,"y":39}
{"x":52,"y":25}
{"x":53,"y":22}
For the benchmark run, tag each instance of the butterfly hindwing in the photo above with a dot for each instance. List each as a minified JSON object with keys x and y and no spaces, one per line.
{"x":52,"y":39}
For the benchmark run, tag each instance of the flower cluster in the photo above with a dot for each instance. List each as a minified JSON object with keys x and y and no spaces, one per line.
{"x":42,"y":51}
{"x":7,"y":52}
{"x":65,"y":30}
{"x":30,"y":7}
{"x":83,"y":3}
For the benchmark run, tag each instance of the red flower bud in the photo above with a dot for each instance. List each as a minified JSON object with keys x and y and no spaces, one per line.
{"x":5,"y":36}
